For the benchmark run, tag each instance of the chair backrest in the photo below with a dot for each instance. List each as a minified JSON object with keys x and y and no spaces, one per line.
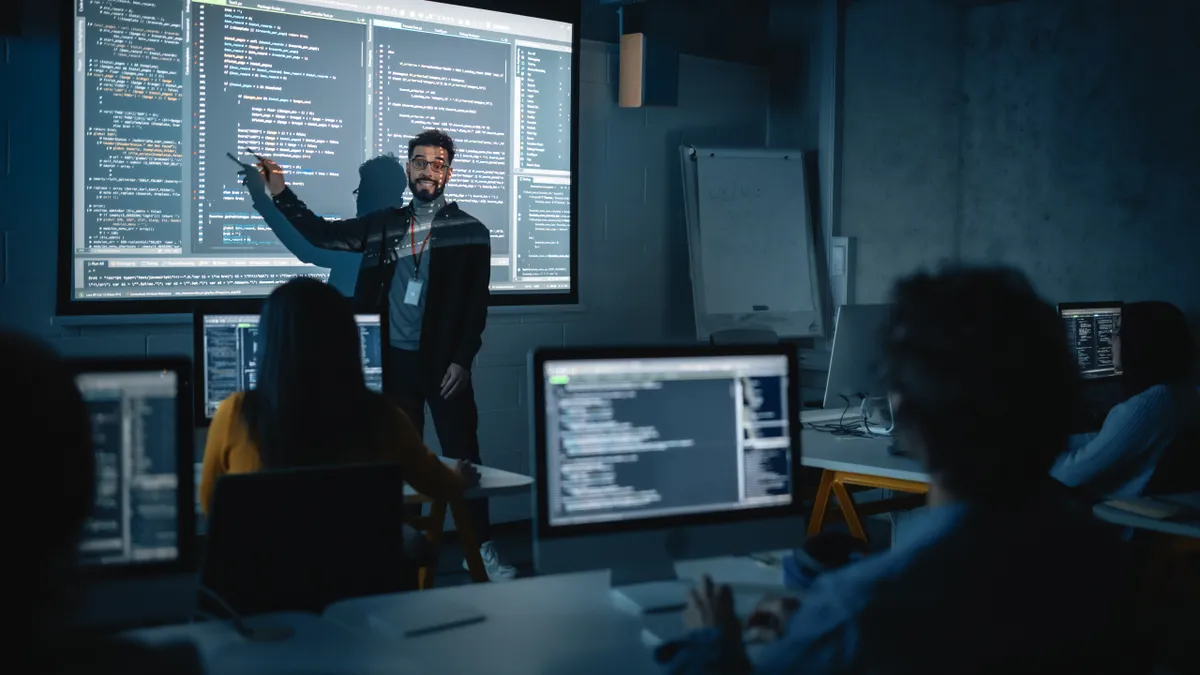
{"x":300,"y":539}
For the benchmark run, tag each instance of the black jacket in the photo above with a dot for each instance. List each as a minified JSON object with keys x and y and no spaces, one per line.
{"x":459,"y":254}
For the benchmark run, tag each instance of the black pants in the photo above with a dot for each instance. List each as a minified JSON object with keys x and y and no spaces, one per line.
{"x":411,"y":386}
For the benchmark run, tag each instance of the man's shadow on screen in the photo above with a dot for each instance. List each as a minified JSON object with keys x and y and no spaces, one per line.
{"x":376,"y":190}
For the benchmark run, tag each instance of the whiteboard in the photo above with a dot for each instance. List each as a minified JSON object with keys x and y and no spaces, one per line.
{"x":751,"y":241}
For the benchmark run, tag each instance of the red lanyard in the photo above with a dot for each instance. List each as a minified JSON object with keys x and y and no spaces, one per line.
{"x":412,"y":238}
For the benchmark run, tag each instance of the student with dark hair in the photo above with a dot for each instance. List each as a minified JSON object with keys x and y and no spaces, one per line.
{"x":425,"y":269}
{"x":1001,"y":575}
{"x":1159,"y":418}
{"x":62,"y":475}
{"x":310,"y":405}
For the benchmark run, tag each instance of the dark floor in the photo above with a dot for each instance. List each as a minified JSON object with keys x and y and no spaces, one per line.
{"x":513,"y":541}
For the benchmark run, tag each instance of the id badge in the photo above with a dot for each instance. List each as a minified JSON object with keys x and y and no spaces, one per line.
{"x":412,"y":294}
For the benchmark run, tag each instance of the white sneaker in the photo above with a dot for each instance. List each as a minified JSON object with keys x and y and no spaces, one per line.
{"x":491,"y":562}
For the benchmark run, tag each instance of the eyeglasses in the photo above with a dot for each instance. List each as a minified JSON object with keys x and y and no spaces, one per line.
{"x":420,"y":164}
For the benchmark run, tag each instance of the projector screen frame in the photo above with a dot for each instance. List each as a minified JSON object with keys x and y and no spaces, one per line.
{"x":67,"y":305}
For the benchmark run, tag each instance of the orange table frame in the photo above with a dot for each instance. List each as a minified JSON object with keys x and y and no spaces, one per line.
{"x":834,"y":484}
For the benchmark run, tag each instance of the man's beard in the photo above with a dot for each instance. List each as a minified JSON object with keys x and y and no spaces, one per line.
{"x":424,"y":192}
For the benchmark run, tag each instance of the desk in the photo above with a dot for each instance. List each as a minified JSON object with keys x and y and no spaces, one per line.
{"x":493,"y":482}
{"x":536,"y":626}
{"x":1174,"y":545}
{"x":318,"y":646}
{"x":548,"y":625}
{"x":851,"y":460}
{"x":1188,"y":527}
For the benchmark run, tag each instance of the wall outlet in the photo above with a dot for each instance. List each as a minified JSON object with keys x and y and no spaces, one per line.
{"x":841,"y":270}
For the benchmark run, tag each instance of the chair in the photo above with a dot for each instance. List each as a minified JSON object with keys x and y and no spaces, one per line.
{"x":300,"y":539}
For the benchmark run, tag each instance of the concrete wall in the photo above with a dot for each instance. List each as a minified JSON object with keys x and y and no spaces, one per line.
{"x":633,"y":249}
{"x":900,"y":137}
{"x":1081,"y":159}
{"x":1059,"y":136}
{"x":796,"y":69}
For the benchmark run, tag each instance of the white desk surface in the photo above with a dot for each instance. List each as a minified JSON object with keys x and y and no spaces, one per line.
{"x":547,"y":625}
{"x":318,"y":647}
{"x":493,"y":482}
{"x":1181,"y":527}
{"x":536,"y":626}
{"x":853,"y":454}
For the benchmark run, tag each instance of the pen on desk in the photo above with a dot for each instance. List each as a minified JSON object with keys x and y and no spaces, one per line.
{"x":418,"y":632}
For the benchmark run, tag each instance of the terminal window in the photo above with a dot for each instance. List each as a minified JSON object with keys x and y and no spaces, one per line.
{"x":231,"y":353}
{"x":649,"y":438}
{"x":1094,"y":334}
{"x":163,"y":89}
{"x":134,"y":436}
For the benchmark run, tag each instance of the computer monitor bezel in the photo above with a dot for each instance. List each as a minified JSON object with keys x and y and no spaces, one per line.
{"x":200,"y":372}
{"x":185,"y":462}
{"x":1119,"y":305}
{"x":844,"y":364}
{"x":546,"y":531}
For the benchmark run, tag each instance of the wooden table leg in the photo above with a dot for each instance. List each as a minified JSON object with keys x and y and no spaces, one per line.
{"x":821,"y":503}
{"x":846,"y":504}
{"x":468,"y":540}
{"x":833,"y":484}
{"x":436,"y":523}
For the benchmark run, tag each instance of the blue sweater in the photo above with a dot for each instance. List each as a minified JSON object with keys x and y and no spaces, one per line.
{"x":1119,"y":460}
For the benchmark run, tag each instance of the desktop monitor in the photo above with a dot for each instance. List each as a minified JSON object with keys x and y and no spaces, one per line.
{"x":645,"y":456}
{"x":1094,"y":333}
{"x":855,"y":361}
{"x":143,"y":516}
{"x":227,"y":357}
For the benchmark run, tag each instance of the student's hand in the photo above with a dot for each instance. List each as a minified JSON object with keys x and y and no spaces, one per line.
{"x":711,"y":606}
{"x":468,"y":471}
{"x":455,"y":381}
{"x":770,"y":618}
{"x":274,"y":181}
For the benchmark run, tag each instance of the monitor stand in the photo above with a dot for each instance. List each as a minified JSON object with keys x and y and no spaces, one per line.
{"x":648,"y":588}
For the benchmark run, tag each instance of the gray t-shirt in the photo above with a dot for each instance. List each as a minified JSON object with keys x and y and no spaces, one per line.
{"x":405,"y":319}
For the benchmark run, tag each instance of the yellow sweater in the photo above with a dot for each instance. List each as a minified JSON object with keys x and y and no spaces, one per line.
{"x":230,"y":450}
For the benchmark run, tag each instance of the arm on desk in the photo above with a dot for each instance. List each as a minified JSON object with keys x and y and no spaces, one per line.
{"x":423,"y":470}
{"x":1101,"y":461}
